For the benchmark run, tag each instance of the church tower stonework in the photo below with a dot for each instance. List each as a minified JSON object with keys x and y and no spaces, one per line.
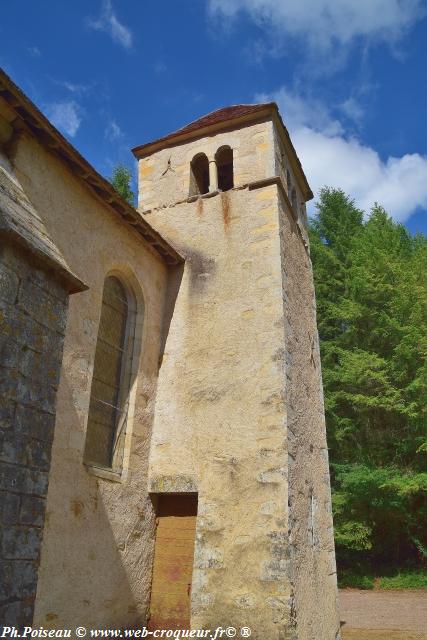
{"x":239,"y":431}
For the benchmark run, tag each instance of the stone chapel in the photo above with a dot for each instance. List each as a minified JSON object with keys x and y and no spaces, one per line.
{"x":164,"y":459}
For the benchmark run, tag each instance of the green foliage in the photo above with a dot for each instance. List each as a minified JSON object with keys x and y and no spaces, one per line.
{"x":380,"y":511}
{"x":121,"y":181}
{"x":400,"y":580}
{"x":355,"y":580}
{"x":405,"y":580}
{"x":371,"y":286}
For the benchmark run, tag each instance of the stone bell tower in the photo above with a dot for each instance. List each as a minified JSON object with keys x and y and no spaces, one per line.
{"x":239,"y":418}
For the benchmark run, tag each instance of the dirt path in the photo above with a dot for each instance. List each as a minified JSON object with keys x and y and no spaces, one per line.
{"x":383,"y":615}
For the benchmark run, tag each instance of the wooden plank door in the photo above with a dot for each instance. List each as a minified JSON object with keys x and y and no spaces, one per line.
{"x":173,"y":562}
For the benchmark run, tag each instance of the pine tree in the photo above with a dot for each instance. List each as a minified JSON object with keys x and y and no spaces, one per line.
{"x":371,"y":287}
{"x":121,"y":181}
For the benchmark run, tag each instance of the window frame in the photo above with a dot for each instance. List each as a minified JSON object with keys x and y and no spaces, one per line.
{"x":128,"y":373}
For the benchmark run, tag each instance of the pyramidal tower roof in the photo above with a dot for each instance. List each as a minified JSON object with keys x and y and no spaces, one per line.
{"x":215,"y":119}
{"x":223,"y":119}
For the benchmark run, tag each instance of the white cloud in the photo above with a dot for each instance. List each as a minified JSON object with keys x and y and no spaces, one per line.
{"x":66,"y":116}
{"x":72,"y":87}
{"x":331,"y":157}
{"x":352,"y":109}
{"x":113,"y":131}
{"x":109,"y":23}
{"x":301,"y":112}
{"x":34,"y":51}
{"x":326,"y":25}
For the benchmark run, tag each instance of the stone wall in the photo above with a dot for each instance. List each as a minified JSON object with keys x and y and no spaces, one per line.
{"x":32,"y":323}
{"x":97,"y":550}
{"x":239,"y":412}
{"x":220,"y":422}
{"x":164,"y":177}
{"x":311,"y":537}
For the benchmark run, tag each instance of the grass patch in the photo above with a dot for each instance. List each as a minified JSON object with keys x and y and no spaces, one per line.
{"x":405,"y":580}
{"x":348,"y":579}
{"x":401,"y":580}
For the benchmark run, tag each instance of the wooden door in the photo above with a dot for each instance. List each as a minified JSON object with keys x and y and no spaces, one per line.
{"x":173,"y":562}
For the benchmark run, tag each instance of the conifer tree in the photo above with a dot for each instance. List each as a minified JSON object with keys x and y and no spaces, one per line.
{"x":121,"y":181}
{"x":371,"y":286}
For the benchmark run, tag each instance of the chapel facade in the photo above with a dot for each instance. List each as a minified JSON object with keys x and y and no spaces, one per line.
{"x":166,"y":461}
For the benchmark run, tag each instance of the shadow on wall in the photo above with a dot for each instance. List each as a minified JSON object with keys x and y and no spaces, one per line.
{"x":97,"y":550}
{"x":174,"y":283}
{"x":98,"y":544}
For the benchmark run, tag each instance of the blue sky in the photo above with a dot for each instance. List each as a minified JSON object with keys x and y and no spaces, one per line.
{"x":349,"y":77}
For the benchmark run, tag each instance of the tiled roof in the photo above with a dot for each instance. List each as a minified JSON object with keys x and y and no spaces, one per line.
{"x":217,"y":120}
{"x":224,"y":114}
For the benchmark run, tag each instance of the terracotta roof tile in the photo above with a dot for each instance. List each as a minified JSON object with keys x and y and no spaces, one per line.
{"x":215,"y":117}
{"x":217,"y":120}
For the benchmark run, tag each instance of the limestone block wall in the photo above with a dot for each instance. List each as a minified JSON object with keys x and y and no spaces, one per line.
{"x":96,"y":557}
{"x":239,"y":408}
{"x":285,"y":169}
{"x":32,"y":323}
{"x":311,"y":539}
{"x":220,"y":420}
{"x":164,"y":177}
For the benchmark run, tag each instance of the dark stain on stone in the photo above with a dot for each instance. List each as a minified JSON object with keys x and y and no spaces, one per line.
{"x":199,"y":207}
{"x":225,"y":206}
{"x":51,"y":616}
{"x":201,"y":268}
{"x":77,"y":507}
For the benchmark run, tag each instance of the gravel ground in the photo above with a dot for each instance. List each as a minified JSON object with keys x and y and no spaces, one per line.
{"x":384,"y":615}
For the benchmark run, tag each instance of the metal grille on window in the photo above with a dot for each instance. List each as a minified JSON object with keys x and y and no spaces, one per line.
{"x":110,"y":383}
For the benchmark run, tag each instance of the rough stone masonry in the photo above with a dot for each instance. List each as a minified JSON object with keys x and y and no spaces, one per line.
{"x":239,"y":415}
{"x":34,"y":287}
{"x":32,"y":319}
{"x":224,"y":399}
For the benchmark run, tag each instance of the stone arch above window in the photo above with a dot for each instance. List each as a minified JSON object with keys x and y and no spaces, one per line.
{"x":199,"y":175}
{"x":224,"y":163}
{"x":109,"y":396}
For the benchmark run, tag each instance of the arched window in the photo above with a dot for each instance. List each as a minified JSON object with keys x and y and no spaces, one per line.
{"x":199,"y":175}
{"x":111,"y":379}
{"x":224,"y":163}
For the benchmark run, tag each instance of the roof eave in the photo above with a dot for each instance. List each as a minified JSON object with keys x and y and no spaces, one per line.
{"x":40,"y":127}
{"x":268,"y":110}
{"x":178,"y":137}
